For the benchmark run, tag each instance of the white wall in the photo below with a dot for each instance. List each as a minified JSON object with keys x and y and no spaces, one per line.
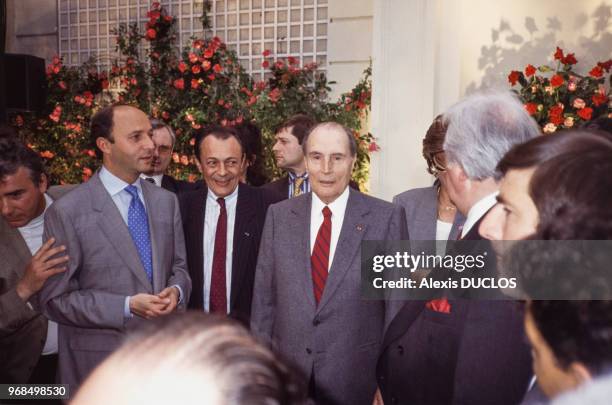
{"x":429,"y":53}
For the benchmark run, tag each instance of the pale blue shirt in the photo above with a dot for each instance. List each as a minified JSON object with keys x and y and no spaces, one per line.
{"x":122,"y":199}
{"x":211,"y":217}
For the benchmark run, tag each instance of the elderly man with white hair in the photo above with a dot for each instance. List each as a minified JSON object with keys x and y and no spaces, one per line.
{"x":458,"y":351}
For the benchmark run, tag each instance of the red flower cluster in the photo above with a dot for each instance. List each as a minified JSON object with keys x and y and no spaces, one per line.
{"x":158,"y":21}
{"x":568,"y":59}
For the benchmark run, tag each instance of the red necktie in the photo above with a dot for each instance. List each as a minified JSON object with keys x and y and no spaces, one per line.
{"x":218,"y":294}
{"x":320,"y":255}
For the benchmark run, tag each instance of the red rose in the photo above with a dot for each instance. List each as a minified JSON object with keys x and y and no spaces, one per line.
{"x":599,"y":99}
{"x":279,"y":64}
{"x":558,"y":54}
{"x":596,"y":72}
{"x":211,"y":77}
{"x":206,"y":65}
{"x":194,"y":84}
{"x":569,"y":59}
{"x":182,"y":66}
{"x":274,"y":95}
{"x":179,"y":84}
{"x":531,"y":108}
{"x":217,"y":68}
{"x":265,"y":64}
{"x":62,"y":85}
{"x":585,"y":113}
{"x":291,"y":60}
{"x":556,"y":115}
{"x":530,"y":70}
{"x":165,"y":115}
{"x":208,"y":53}
{"x":168,"y":18}
{"x":556,"y":80}
{"x":513,"y":77}
{"x":195,"y":69}
{"x":151,"y":33}
{"x":606,"y":65}
{"x":193,"y":58}
{"x":266,"y":53}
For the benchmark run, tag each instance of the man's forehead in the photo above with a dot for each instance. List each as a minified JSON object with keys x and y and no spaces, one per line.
{"x":326,"y":137}
{"x":285,"y":133}
{"x":16,"y":181}
{"x":162,"y":135}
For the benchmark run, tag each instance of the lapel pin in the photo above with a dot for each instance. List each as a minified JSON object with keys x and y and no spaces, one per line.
{"x":247,"y":234}
{"x":359,"y":228}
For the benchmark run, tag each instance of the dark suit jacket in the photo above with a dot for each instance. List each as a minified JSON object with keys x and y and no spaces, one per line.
{"x":281,"y":186}
{"x":178,"y":186}
{"x":23,"y":329}
{"x":477,"y":354}
{"x":251,"y":210}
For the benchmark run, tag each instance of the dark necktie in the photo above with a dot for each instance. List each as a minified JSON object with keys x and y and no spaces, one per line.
{"x":320,"y":255}
{"x":218,"y":294}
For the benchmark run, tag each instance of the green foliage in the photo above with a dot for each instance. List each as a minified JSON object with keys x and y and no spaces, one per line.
{"x":203,"y":84}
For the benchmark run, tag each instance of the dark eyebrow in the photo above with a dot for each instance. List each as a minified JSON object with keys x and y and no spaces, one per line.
{"x":15,"y":192}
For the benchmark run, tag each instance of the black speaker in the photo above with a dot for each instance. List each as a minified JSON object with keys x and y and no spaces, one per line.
{"x":22,"y":80}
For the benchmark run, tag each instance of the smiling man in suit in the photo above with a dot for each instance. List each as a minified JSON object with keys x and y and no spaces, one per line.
{"x":223,"y":221}
{"x":307,"y":300}
{"x":125,"y":241}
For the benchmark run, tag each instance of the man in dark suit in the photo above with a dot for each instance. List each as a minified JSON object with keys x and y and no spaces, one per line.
{"x":290,"y":156}
{"x":307,"y":300}
{"x":463,"y":351}
{"x":28,"y":341}
{"x":164,"y":140}
{"x":125,"y":240}
{"x":223,"y":221}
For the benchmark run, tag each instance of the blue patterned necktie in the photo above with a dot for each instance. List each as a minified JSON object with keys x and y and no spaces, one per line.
{"x":138,"y":224}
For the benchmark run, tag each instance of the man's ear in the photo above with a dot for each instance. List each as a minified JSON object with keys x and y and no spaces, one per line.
{"x":103,"y":144}
{"x":43,"y":183}
{"x":580,"y":373}
{"x":197,"y":161}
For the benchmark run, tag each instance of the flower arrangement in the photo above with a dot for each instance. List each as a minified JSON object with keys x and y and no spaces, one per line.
{"x":201,"y":85}
{"x":559,"y":97}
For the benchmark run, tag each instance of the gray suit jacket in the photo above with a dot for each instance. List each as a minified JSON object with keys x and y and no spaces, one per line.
{"x":336,"y":342}
{"x":88,"y":299}
{"x":23,"y":329}
{"x":421,"y":206}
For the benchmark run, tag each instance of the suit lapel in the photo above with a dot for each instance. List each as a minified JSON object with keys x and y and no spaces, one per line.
{"x":154,"y":230}
{"x":245,"y":212}
{"x":349,"y":245}
{"x":194,"y":224}
{"x":116,"y":230}
{"x":301,"y":220}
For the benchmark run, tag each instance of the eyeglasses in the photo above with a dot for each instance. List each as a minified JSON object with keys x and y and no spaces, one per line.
{"x":437,"y":163}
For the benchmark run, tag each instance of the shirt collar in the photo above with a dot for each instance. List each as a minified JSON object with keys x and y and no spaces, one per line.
{"x":293,"y":176}
{"x":113,"y":184}
{"x":478,"y":210}
{"x":337,"y":207}
{"x":228,"y":199}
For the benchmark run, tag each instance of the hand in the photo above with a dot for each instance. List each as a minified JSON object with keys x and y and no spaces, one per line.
{"x":378,"y":398}
{"x":171,"y":293}
{"x":40,"y":268}
{"x":148,"y":306}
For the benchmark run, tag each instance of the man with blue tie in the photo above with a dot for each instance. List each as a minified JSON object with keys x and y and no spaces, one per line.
{"x":125,"y":242}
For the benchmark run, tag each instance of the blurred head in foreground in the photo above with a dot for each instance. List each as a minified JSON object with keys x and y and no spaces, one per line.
{"x":192,"y":358}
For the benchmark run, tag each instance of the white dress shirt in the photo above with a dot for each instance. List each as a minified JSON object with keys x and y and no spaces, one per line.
{"x":32,"y":233}
{"x":157,"y":178}
{"x":337,"y":207}
{"x":477,"y":211}
{"x":211,"y":217}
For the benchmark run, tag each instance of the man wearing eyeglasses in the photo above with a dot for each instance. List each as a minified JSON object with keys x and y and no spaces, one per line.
{"x":164,"y":140}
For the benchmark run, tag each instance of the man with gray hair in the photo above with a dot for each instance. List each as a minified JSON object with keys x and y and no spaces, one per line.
{"x":458,"y":350}
{"x":164,"y":140}
{"x":307,"y":299}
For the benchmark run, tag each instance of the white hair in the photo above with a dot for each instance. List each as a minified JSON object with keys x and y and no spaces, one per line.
{"x":482,"y":128}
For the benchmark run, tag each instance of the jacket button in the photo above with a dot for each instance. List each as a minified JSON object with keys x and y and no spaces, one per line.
{"x":308,"y":350}
{"x":400,"y":350}
{"x":316,"y":322}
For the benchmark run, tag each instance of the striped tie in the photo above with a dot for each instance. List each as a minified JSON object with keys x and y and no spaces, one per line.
{"x":320,"y":255}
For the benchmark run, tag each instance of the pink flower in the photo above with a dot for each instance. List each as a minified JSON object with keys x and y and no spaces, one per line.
{"x":578,"y":103}
{"x":549,"y":128}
